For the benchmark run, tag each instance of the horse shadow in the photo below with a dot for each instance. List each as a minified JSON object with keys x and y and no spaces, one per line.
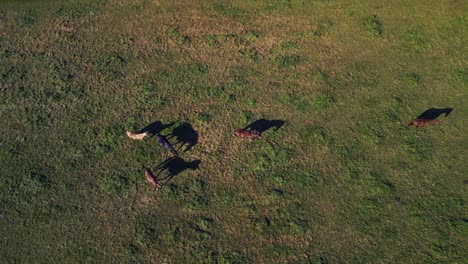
{"x":185,"y":136}
{"x":173,"y":167}
{"x":434,"y":113}
{"x":263,"y":125}
{"x":155,"y":128}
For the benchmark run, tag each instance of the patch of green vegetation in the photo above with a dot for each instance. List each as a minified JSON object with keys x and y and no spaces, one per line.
{"x":416,"y":40}
{"x":107,"y":139}
{"x":115,"y":184}
{"x":412,"y":80}
{"x":278,"y":179}
{"x":315,"y":135}
{"x":83,"y":252}
{"x":276,"y":193}
{"x":39,"y":117}
{"x":111,"y":66}
{"x":214,"y":92}
{"x":250,"y":102}
{"x":212,"y":40}
{"x":420,"y":147}
{"x":30,"y":184}
{"x":352,"y":155}
{"x":320,"y":76}
{"x":288,"y":220}
{"x":269,"y":155}
{"x":149,"y":96}
{"x":461,"y":76}
{"x":203,"y":117}
{"x":73,"y":12}
{"x":60,"y":83}
{"x":377,"y":186}
{"x":288,"y":45}
{"x":197,"y":203}
{"x":172,"y":191}
{"x":145,"y":154}
{"x":244,"y":118}
{"x":28,"y":18}
{"x":305,"y":179}
{"x":363,"y":75}
{"x":374,"y":132}
{"x":13,"y":74}
{"x":323,"y":101}
{"x":179,"y":37}
{"x":132,"y":252}
{"x":251,"y":55}
{"x":247,"y":38}
{"x":278,"y":6}
{"x":146,"y":232}
{"x":322,"y":28}
{"x":287,"y":61}
{"x":239,"y":82}
{"x":286,"y":252}
{"x":226,"y":8}
{"x":228,"y":258}
{"x":373,"y":25}
{"x":198,"y":68}
{"x":294,"y":100}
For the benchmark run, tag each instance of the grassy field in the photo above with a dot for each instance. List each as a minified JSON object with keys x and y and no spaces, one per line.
{"x":342,"y":181}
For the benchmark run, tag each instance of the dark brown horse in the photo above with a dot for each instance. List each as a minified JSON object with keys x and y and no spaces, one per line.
{"x":243,"y":133}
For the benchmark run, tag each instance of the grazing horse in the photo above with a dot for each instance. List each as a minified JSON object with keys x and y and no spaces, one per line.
{"x":137,"y":136}
{"x":421,"y":122}
{"x":429,"y":117}
{"x":243,"y":133}
{"x":166,"y":144}
{"x":152,"y":179}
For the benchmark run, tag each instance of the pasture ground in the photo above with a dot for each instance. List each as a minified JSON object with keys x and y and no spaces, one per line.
{"x":342,"y":181}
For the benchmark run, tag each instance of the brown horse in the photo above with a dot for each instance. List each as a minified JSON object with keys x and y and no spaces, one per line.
{"x":246,"y":134}
{"x":422,"y":122}
{"x":152,"y":179}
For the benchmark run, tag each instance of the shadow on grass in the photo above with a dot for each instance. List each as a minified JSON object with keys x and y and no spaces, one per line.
{"x":173,"y":167}
{"x":433,"y":113}
{"x":185,"y":136}
{"x":155,"y":127}
{"x":263,"y":125}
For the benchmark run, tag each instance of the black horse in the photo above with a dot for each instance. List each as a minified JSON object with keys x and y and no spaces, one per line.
{"x":166,"y":144}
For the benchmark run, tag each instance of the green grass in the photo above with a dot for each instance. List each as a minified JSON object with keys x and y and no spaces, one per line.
{"x":287,"y":61}
{"x":373,"y":25}
{"x":342,"y":181}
